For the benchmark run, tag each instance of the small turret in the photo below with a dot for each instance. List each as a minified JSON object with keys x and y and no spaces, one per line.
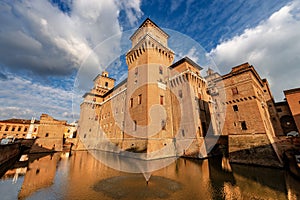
{"x":103,"y":83}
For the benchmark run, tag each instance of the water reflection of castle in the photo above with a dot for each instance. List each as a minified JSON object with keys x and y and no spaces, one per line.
{"x":162,"y":103}
{"x":80,"y":176}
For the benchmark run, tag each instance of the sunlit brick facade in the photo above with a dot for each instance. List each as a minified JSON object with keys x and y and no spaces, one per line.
{"x":162,"y":103}
{"x":159,"y":103}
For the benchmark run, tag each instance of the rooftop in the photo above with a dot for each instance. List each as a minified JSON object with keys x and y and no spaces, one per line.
{"x":19,"y":121}
{"x":291,"y":91}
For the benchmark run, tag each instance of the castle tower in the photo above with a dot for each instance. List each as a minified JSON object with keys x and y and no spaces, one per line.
{"x":90,"y":110}
{"x":103,"y":83}
{"x":148,"y":61}
{"x":149,"y":46}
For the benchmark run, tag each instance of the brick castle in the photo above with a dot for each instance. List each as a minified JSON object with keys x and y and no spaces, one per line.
{"x":169,"y":107}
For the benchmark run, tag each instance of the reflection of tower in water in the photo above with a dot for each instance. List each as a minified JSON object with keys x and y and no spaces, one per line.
{"x":40,"y":175}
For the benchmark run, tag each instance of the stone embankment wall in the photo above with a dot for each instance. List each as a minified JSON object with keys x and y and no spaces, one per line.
{"x":8,"y":152}
{"x":252,"y":149}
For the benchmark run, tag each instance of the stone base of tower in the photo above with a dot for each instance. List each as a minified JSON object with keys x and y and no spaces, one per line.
{"x":197,"y":149}
{"x":255,"y":149}
{"x":134,"y":145}
{"x":163,"y":148}
{"x":79,"y":146}
{"x":149,"y":149}
{"x":45,"y":145}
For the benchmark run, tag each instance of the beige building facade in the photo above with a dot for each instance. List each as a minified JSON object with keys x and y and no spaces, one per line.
{"x":49,"y":133}
{"x":19,"y":128}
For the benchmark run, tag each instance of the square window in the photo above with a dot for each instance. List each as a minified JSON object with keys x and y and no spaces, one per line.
{"x":243,"y":125}
{"x":234,"y":91}
{"x":235,"y":108}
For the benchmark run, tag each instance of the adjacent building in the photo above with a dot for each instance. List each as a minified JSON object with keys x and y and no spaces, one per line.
{"x":293,"y":100}
{"x":251,"y":121}
{"x":50,"y":133}
{"x":19,"y":128}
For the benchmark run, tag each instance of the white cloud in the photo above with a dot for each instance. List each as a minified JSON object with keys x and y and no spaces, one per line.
{"x":272,"y":48}
{"x":132,"y":9}
{"x":23,"y":98}
{"x":37,"y":36}
{"x":192,"y":54}
{"x":16,"y":112}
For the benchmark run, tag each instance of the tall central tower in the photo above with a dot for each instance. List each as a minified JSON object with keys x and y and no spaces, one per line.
{"x":148,"y":61}
{"x":149,"y":46}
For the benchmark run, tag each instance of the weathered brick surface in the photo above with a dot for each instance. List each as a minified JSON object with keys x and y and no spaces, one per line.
{"x":50,"y":134}
{"x":252,"y":149}
{"x":293,"y":99}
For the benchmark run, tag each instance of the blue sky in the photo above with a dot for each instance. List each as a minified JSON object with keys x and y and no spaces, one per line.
{"x":44,"y":44}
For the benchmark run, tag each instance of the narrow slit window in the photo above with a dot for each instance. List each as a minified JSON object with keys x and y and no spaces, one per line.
{"x":160,"y":70}
{"x":140,"y":99}
{"x":135,"y":125}
{"x":161,"y":100}
{"x":131,"y":102}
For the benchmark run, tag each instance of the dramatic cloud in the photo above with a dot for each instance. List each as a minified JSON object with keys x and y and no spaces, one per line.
{"x":37,"y":36}
{"x":272,"y":48}
{"x":43,"y":43}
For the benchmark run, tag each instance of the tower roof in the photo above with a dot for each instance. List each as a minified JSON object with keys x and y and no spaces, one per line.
{"x":147,"y":21}
{"x":188,"y":60}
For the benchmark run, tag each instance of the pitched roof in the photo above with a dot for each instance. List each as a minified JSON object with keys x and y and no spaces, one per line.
{"x":291,"y":91}
{"x":19,"y":121}
{"x":186,"y":59}
{"x":144,"y":22}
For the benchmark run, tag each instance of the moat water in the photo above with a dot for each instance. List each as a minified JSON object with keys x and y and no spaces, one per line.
{"x":81,"y":176}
